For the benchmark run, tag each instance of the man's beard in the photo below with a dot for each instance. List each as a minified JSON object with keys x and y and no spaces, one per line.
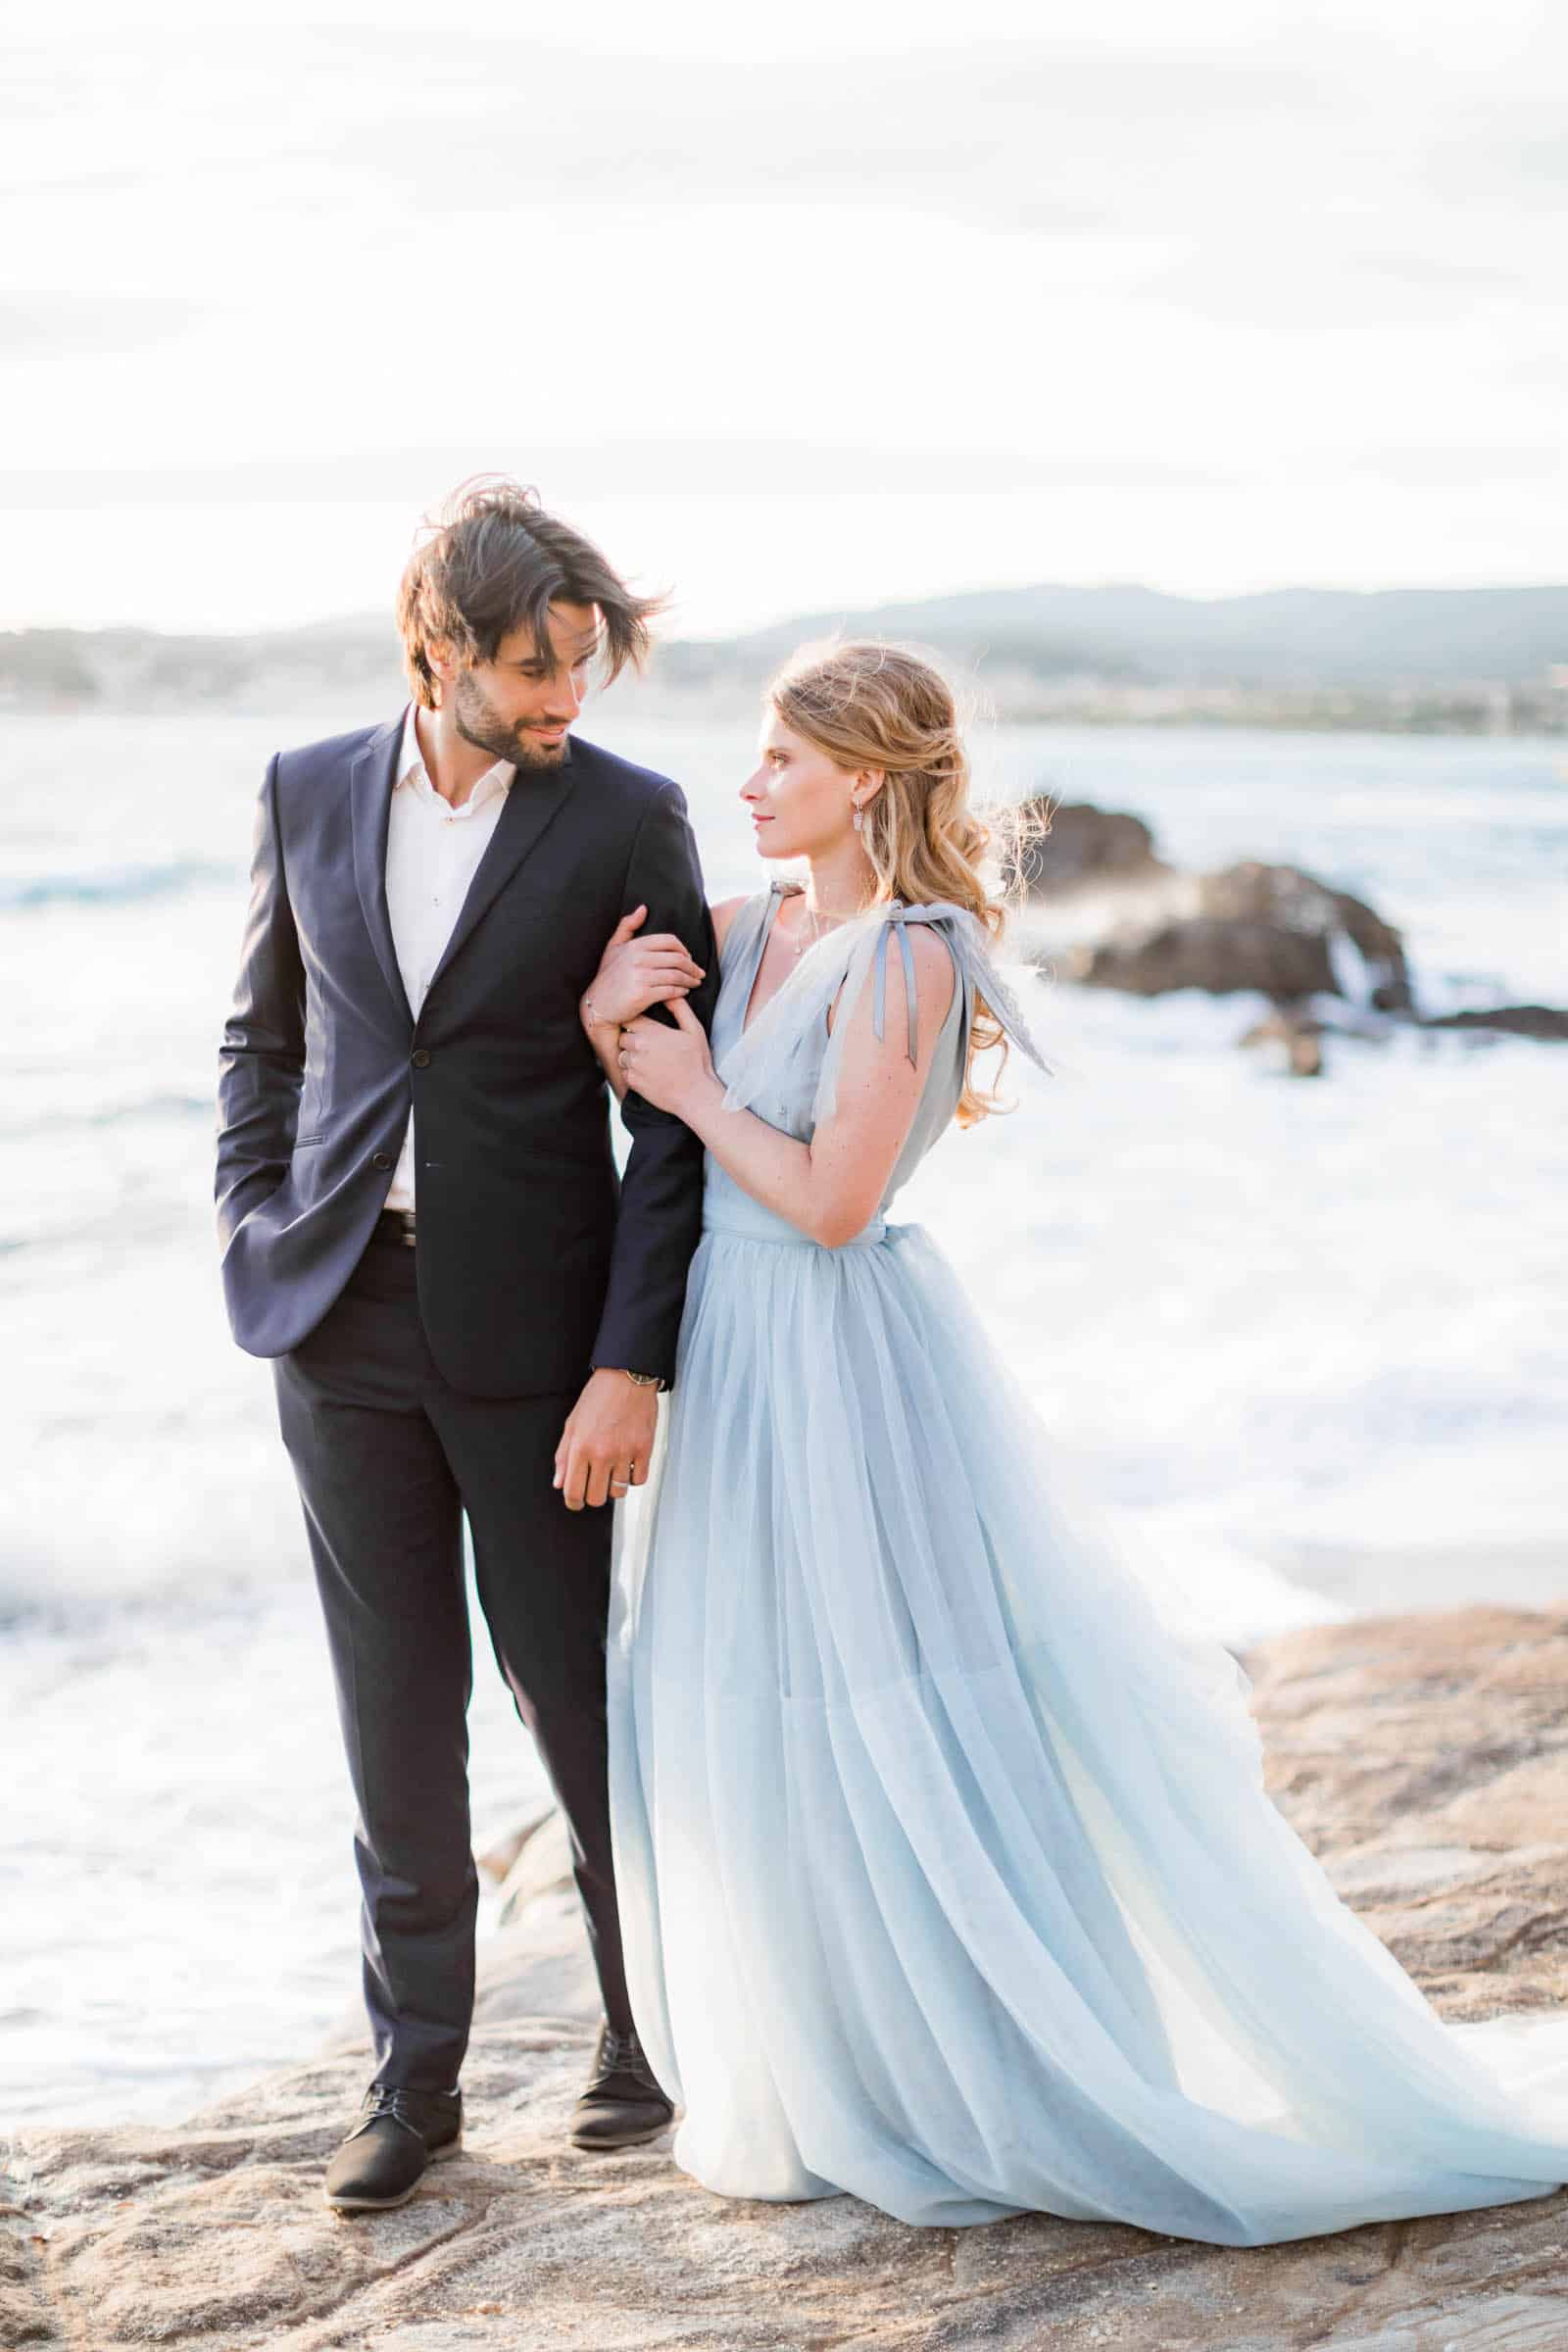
{"x":479,"y":725}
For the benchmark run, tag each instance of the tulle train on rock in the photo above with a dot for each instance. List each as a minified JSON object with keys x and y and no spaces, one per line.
{"x":947,"y":1872}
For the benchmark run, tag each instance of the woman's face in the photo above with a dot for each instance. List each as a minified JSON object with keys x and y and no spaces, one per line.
{"x":799,"y":802}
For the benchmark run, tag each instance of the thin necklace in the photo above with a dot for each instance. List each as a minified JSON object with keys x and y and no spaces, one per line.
{"x":819,"y":929}
{"x":806,"y":940}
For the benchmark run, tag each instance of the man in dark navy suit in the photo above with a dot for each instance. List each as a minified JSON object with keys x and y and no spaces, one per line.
{"x":423,"y":1226}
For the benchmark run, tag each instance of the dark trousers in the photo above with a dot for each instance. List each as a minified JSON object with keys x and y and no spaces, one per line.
{"x":389,"y":1458}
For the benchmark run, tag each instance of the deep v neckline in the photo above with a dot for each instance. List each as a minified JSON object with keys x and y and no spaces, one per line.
{"x":777,"y":897}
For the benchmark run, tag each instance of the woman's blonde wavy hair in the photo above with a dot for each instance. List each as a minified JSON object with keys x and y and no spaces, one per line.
{"x":875,"y":705}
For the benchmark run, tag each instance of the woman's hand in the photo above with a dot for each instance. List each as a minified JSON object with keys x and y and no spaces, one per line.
{"x":634,"y":973}
{"x":670,"y":1068}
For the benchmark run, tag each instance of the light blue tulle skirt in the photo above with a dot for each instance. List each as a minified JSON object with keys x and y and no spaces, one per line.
{"x":946,"y":1869}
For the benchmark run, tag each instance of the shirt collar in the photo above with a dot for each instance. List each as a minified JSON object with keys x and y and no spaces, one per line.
{"x":412,"y":770}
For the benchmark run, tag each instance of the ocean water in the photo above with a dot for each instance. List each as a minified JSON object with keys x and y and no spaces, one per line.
{"x":1304,"y":1342}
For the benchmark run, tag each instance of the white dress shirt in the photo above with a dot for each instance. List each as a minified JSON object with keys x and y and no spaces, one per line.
{"x":432,"y":851}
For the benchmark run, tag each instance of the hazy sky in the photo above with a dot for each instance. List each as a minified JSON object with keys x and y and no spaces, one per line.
{"x":790,"y":309}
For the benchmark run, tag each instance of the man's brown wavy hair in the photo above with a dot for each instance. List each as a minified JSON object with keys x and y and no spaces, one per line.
{"x":492,"y":562}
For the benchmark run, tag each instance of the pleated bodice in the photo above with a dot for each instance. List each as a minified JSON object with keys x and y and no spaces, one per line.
{"x":786,"y":1085}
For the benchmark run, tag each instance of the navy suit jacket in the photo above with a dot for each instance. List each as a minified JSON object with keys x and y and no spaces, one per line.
{"x":533,"y":1263}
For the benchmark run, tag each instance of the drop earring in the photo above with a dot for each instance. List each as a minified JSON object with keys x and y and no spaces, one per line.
{"x":860,"y":816}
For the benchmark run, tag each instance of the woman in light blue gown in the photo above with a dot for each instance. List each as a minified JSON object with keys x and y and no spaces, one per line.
{"x":946,"y":1869}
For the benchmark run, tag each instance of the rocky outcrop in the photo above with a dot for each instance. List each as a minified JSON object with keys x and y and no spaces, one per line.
{"x":1222,"y":957}
{"x":1107,"y":912}
{"x":1285,"y":902}
{"x":1424,"y":1761}
{"x":1425,"y":1758}
{"x":1133,"y":922}
{"x":1061,"y":846}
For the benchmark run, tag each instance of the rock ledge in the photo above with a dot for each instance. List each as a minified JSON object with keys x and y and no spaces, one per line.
{"x":1426,"y":1758}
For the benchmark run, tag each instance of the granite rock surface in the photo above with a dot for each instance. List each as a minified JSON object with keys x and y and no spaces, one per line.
{"x":1425,"y":1758}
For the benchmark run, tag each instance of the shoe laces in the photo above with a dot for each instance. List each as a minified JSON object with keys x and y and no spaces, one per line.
{"x":618,"y":2052}
{"x":392,"y":2099}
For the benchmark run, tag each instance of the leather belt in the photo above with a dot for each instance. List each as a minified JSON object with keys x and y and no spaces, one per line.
{"x":395,"y":1225}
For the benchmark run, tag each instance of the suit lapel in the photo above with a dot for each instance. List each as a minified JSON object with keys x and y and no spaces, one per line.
{"x":370,"y":782}
{"x":533,"y":799}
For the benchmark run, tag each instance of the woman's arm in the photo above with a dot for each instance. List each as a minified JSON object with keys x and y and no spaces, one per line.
{"x":601,"y":1028}
{"x":829,"y":1188}
{"x":634,"y":973}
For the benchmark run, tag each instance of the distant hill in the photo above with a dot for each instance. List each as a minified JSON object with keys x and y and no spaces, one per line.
{"x":1402,"y":656}
{"x":1283,"y":636}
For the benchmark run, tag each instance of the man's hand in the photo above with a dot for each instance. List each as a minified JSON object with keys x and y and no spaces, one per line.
{"x":606,"y":1444}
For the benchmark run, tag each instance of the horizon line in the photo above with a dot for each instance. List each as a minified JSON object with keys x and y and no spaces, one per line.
{"x":365,"y":618}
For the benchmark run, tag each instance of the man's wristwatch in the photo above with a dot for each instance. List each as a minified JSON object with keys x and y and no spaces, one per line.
{"x":646,"y":1380}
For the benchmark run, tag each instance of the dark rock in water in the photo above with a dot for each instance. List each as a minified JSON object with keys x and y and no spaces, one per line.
{"x":1544,"y":1021}
{"x":1224,"y":959}
{"x":1067,"y":843}
{"x":1272,"y":930}
{"x":1131,"y":922}
{"x":1286,"y":899}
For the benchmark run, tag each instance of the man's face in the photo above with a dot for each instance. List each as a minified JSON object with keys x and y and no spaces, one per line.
{"x":517,"y":707}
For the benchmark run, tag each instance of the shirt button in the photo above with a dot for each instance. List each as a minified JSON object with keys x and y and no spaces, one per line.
{"x":422,"y":1060}
{"x":381,"y":1160}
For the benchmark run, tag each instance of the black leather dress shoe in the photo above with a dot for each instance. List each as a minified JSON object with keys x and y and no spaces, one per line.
{"x":383,"y":2158}
{"x":622,"y":2103}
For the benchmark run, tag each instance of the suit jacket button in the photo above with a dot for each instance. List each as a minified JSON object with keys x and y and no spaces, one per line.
{"x":382,"y":1160}
{"x":420,"y":1058}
